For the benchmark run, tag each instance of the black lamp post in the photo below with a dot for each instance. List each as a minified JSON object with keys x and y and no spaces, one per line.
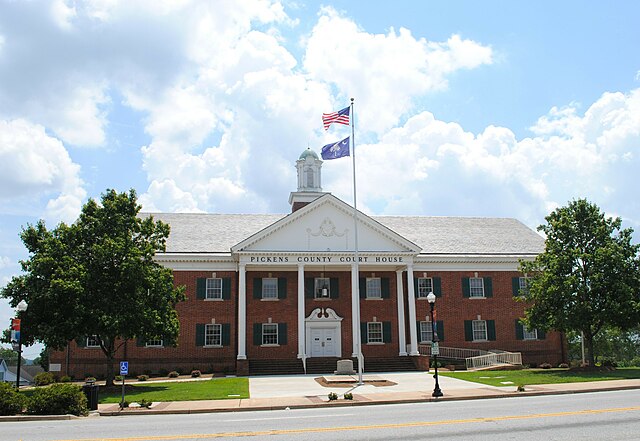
{"x":22,"y":306}
{"x":431,"y":298}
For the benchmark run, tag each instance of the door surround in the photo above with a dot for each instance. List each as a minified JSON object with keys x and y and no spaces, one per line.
{"x":324,"y":318}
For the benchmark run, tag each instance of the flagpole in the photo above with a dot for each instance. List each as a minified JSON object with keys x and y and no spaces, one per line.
{"x":356,"y":291}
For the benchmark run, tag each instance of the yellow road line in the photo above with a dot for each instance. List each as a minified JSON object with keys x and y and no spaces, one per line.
{"x":368,"y":427}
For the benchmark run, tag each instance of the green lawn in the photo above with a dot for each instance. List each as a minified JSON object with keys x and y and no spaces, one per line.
{"x":214,"y":389}
{"x":542,"y":376}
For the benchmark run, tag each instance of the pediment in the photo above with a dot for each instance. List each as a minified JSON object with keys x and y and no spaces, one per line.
{"x":326,"y":225}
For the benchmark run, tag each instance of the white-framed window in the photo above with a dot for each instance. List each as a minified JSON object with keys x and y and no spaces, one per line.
{"x":155,"y":342}
{"x":426,"y":332}
{"x":322,"y":288}
{"x":374,"y":332}
{"x":269,"y":333}
{"x":479,"y":330}
{"x":213,"y":334}
{"x":523,"y":282}
{"x":269,"y":288}
{"x":214,"y":289}
{"x":476,"y":287}
{"x":529,"y":335}
{"x":425,"y":286}
{"x":374,"y":288}
{"x":93,"y":341}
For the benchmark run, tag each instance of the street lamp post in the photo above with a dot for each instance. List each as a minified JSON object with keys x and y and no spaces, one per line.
{"x":22,"y":306}
{"x":431,"y":298}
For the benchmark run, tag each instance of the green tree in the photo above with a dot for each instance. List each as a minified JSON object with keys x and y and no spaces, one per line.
{"x":588,"y":277}
{"x":10,"y":356}
{"x":97,"y":277}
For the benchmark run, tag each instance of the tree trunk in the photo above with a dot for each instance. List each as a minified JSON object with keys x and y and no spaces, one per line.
{"x":588,"y":345}
{"x":109,"y":370}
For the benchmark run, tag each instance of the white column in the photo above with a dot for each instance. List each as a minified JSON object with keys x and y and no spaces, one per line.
{"x":402,"y":340}
{"x":301,"y":315}
{"x":242,"y":313}
{"x":355,"y":310}
{"x":413,"y":333}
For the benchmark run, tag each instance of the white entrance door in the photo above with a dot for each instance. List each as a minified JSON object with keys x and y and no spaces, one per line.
{"x":323,"y":342}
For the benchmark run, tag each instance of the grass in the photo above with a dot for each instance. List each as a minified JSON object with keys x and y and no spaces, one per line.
{"x":542,"y":376}
{"x":214,"y":389}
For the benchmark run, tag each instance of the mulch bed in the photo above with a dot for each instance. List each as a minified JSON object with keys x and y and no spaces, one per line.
{"x":349,"y":384}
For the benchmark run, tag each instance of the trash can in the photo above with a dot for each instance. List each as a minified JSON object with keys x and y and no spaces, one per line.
{"x":90,"y":390}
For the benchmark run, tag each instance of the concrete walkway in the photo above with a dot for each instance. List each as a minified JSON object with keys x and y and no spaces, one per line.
{"x":303,"y":391}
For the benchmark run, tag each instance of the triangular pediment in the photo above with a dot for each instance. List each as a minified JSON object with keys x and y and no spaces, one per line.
{"x":326,"y":225}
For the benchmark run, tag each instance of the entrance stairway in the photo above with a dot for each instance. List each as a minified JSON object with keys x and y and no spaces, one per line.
{"x":327,"y":366}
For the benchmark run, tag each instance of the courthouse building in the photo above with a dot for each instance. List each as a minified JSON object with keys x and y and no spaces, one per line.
{"x":275,"y":293}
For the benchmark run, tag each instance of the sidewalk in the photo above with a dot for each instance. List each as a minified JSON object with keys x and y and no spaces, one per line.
{"x":303,"y":391}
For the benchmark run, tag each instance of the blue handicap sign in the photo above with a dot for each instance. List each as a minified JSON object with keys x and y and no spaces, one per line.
{"x":124,"y":368}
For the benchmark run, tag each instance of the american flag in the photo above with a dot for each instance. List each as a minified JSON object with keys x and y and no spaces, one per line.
{"x":339,"y":117}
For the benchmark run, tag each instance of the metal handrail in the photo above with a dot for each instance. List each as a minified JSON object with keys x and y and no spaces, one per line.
{"x":493,"y":359}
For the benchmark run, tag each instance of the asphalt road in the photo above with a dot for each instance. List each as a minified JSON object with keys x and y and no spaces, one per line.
{"x":601,"y":415}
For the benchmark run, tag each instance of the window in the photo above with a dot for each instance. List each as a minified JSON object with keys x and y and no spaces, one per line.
{"x":476,"y":287}
{"x":269,"y":288}
{"x":322,"y":288}
{"x":426,"y":332}
{"x":155,"y":342}
{"x":529,"y":335}
{"x":374,"y":332}
{"x":523,"y":283}
{"x":479,"y":330}
{"x":374,"y":289}
{"x":425,"y":286}
{"x":213,"y":335}
{"x":1,"y":375}
{"x":309,"y":174}
{"x":214,"y":289}
{"x":93,"y":341}
{"x":269,"y":333}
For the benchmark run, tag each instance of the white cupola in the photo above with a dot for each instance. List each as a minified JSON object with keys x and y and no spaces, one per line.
{"x":309,"y":167}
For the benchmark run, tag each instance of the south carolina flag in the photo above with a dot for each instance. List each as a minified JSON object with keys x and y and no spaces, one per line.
{"x":336,"y":150}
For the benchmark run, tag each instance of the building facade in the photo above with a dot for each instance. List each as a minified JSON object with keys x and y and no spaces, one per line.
{"x":291,"y":289}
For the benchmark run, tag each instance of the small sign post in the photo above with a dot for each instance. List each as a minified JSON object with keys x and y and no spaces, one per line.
{"x":435,"y":349}
{"x":124,"y":371}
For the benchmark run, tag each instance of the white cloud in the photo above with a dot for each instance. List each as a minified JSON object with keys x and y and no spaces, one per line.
{"x":4,"y":263}
{"x":35,"y":165}
{"x":384,"y":72}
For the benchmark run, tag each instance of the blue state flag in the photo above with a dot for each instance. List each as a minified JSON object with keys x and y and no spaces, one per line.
{"x":336,"y":150}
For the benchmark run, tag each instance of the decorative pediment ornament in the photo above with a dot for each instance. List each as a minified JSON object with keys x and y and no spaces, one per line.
{"x":323,"y":315}
{"x":327,"y":229}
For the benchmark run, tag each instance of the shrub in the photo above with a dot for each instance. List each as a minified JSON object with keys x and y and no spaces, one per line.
{"x":118,"y":378}
{"x":65,"y":379}
{"x":563,"y":366}
{"x":11,"y":401}
{"x":44,"y":379}
{"x":143,"y":377}
{"x":58,"y":399}
{"x":609,"y":362}
{"x":545,"y":366}
{"x":174,"y":374}
{"x":333,"y":396}
{"x":145,"y":403}
{"x":90,"y":380}
{"x":195,"y":373}
{"x":348,"y":396}
{"x":520,"y":388}
{"x":635,"y":361}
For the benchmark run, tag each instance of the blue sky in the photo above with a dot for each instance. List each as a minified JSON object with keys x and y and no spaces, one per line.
{"x":463,"y":108}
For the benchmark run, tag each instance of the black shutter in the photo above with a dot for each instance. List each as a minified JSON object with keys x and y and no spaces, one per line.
{"x":226,"y":288}
{"x":440,"y":329}
{"x":541,"y":335}
{"x":415,"y":287}
{"x":309,"y":283}
{"x":282,"y":287}
{"x":200,"y":334}
{"x":363,"y":287}
{"x":226,"y":334}
{"x":488,"y":287}
{"x":141,"y":342}
{"x":334,"y":290}
{"x":491,"y":330}
{"x":386,"y":332}
{"x":519,"y":330}
{"x":201,"y":288}
{"x":282,"y":333}
{"x":437,"y":286}
{"x":419,"y":328}
{"x":384,"y":288}
{"x":466,"y":289}
{"x":515,"y":285}
{"x":468,"y":330}
{"x":364,"y":337}
{"x":81,"y":342}
{"x":257,"y":334}
{"x":257,"y":288}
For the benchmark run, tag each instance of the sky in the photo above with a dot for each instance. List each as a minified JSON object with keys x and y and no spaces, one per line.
{"x":462,"y":108}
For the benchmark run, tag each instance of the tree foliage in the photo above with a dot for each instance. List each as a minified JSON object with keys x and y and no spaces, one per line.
{"x":97,"y":277}
{"x":588,"y":277}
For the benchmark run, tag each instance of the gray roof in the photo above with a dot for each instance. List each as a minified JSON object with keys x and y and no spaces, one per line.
{"x":217,"y":233}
